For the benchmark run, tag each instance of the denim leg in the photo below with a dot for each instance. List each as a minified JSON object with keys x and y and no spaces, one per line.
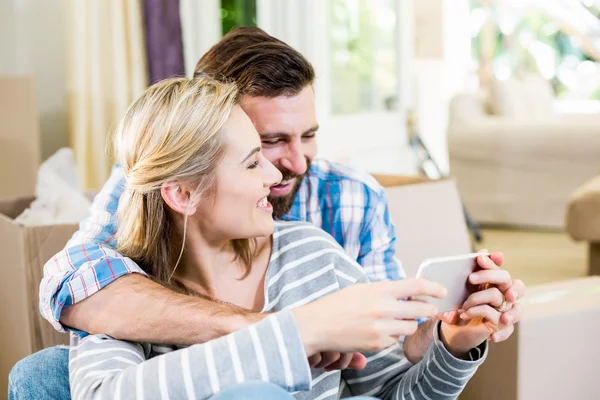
{"x":43,"y":375}
{"x":254,"y":390}
{"x":261,"y":391}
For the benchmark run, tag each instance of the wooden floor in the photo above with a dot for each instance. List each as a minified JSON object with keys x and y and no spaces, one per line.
{"x":537,"y":256}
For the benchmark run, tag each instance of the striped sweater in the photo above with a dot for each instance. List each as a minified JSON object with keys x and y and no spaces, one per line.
{"x":306,"y":264}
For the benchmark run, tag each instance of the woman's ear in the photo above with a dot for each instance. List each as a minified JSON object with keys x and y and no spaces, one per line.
{"x":178,"y":197}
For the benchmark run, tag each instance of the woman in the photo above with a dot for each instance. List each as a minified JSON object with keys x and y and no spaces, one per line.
{"x":195,"y":217}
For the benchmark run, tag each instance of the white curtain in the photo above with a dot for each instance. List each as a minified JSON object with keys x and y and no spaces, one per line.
{"x":201,"y":28}
{"x":106,"y":71}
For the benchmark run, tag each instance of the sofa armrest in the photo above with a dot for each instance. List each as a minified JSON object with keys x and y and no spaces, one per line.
{"x":583,"y":212}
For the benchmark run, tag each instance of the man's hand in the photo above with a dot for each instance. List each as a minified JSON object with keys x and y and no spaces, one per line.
{"x":331,"y":360}
{"x":480,"y":319}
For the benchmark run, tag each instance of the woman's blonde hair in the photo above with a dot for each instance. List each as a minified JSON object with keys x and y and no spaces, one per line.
{"x":171,"y":133}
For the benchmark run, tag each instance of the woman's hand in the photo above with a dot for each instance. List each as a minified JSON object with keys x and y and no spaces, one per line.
{"x":487,"y":314}
{"x":365,"y":317}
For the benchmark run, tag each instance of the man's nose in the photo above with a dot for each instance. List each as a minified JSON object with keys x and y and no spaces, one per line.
{"x":294,"y":159}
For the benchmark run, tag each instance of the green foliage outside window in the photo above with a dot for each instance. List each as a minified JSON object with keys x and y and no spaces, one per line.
{"x":507,"y":42}
{"x":236,"y":13}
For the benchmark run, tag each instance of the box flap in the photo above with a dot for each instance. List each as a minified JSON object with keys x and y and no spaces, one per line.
{"x":399,"y":180}
{"x":429,"y":222}
{"x":15,"y":327}
{"x":563,"y":297}
{"x":43,"y":242}
{"x":12,"y":207}
{"x":19,"y":136}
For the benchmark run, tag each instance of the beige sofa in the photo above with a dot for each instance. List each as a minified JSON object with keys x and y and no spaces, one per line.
{"x":514,"y":160}
{"x":583,"y":220}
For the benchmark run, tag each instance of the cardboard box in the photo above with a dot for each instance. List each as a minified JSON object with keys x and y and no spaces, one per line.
{"x":19,"y":136}
{"x":553,"y":353}
{"x":429,"y":219}
{"x":24,"y":251}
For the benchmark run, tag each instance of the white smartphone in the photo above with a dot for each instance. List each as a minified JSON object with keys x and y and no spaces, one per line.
{"x":452,"y":273}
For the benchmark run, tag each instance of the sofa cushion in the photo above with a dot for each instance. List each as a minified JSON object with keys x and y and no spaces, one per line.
{"x":465,"y":107}
{"x":507,"y":99}
{"x":539,"y":96}
{"x":528,"y":97}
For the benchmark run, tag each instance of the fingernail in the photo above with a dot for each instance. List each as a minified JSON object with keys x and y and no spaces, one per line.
{"x":464,"y":316}
{"x":514,"y":295}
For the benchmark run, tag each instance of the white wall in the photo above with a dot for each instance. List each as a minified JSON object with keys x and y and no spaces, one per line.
{"x":32,"y":42}
{"x":442,"y":59}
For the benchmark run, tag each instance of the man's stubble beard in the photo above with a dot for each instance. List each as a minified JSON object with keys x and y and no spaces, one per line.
{"x":283,"y":204}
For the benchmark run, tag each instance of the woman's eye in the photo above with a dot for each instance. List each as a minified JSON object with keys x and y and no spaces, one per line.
{"x":253,"y":165}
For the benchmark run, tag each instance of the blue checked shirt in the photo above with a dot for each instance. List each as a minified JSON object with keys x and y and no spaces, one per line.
{"x":351,"y":206}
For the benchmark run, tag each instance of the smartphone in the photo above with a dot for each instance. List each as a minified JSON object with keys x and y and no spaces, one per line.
{"x":452,"y":273}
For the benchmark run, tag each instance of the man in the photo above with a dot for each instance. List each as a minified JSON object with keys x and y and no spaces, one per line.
{"x":91,"y":288}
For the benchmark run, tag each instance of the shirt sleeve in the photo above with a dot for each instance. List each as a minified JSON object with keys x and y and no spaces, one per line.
{"x":90,"y":260}
{"x":389,"y":374}
{"x":440,"y":375}
{"x":270,"y":351}
{"x":377,"y":252}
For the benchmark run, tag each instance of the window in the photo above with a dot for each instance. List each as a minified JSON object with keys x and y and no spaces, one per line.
{"x":236,"y":13}
{"x":363,"y":56}
{"x":545,"y":37}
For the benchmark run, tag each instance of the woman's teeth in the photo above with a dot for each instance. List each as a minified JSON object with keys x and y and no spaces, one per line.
{"x":263,"y":202}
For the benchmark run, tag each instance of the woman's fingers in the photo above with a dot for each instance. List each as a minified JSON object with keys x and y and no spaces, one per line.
{"x":411,"y":309}
{"x":449,"y":317}
{"x":397,"y":328}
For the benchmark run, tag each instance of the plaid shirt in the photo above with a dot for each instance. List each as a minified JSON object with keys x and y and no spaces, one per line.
{"x":349,"y":205}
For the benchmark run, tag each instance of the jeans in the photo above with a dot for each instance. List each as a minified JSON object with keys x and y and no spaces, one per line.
{"x":45,"y":375}
{"x":261,"y":391}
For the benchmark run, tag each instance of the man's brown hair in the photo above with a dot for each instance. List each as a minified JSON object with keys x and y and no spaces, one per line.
{"x":258,"y":63}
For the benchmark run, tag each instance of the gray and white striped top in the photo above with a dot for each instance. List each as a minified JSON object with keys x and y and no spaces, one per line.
{"x":306,"y":264}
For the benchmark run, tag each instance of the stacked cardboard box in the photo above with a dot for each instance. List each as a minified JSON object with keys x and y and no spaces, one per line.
{"x":553,"y":352}
{"x":19,"y":136}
